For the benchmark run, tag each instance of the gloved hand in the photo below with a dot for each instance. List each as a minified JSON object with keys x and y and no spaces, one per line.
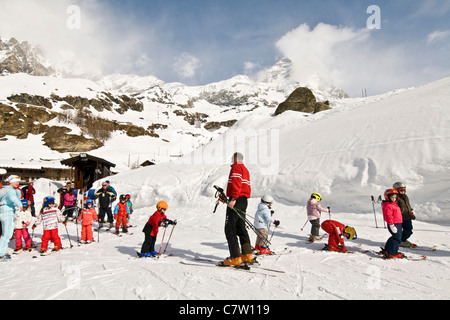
{"x":174,"y":223}
{"x":33,"y":227}
{"x":164,"y":223}
{"x":276,"y":223}
{"x":413,"y":216}
{"x":393,"y":228}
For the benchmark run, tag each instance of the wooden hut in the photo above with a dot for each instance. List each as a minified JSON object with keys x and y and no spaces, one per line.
{"x":87,"y":169}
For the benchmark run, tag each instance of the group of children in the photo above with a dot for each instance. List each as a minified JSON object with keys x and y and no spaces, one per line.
{"x":50,"y":216}
{"x":397,"y":212}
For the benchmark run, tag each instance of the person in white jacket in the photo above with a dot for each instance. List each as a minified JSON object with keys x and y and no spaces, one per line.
{"x":314,"y":211}
{"x":9,"y":200}
{"x":263,"y":220}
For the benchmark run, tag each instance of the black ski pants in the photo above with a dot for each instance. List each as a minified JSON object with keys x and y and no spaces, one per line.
{"x":149,"y":244}
{"x":235,"y":230}
{"x":108,"y":212}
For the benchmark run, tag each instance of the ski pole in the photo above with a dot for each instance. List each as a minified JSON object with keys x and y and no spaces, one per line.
{"x":32,"y":242}
{"x":380,"y":201}
{"x":76,"y":227}
{"x":159,"y":252}
{"x":273,"y":232}
{"x":173,"y":227}
{"x":329,"y":213}
{"x":304,"y":225}
{"x":374,"y":213}
{"x":68,"y":236}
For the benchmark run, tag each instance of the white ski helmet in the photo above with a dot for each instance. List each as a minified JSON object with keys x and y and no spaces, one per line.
{"x":399,"y":185}
{"x":267,"y":199}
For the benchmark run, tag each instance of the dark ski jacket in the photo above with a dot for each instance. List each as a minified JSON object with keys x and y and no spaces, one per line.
{"x":106,"y":197}
{"x":405,"y":207}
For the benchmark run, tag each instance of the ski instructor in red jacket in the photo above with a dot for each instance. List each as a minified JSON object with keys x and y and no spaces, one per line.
{"x":238,"y":192}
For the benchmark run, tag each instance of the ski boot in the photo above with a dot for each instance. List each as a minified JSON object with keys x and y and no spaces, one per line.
{"x":232,"y":262}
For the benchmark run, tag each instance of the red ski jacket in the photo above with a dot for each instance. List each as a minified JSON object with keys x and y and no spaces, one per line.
{"x":155,"y":220}
{"x":239,"y":182}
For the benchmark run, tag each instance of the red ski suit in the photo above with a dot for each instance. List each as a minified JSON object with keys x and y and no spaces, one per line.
{"x":121,"y":213}
{"x":87,"y":218}
{"x":335,"y":230}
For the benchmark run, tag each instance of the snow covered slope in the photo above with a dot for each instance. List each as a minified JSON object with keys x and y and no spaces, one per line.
{"x":357,"y":149}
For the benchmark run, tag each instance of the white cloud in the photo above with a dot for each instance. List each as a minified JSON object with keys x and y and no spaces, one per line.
{"x":186,"y":65}
{"x":353,"y":59}
{"x":438,"y":35}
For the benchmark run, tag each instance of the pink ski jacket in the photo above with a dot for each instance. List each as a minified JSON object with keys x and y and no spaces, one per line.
{"x":314,"y":209}
{"x":391,"y":213}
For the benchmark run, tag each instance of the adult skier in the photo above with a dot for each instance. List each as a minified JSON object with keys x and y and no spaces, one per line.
{"x":407,"y":214}
{"x":106,"y":196}
{"x":9,"y":200}
{"x":238,"y":192}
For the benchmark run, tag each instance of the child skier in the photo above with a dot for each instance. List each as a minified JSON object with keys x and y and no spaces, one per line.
{"x":407,"y":214}
{"x":87,"y":217}
{"x":393,"y":217}
{"x":158,"y":219}
{"x":23,"y":220}
{"x":314,"y":211}
{"x":50,"y":216}
{"x":121,"y":213}
{"x":130,"y":206}
{"x":337,"y":232}
{"x":263,"y":219}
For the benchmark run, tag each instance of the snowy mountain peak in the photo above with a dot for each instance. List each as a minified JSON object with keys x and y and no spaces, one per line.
{"x":21,"y":57}
{"x":280,"y":71}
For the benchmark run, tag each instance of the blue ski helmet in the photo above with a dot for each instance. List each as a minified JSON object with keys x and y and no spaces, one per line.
{"x":89,"y":201}
{"x":48,"y":200}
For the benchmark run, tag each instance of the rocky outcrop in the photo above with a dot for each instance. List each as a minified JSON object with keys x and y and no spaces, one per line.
{"x":302,"y":100}
{"x":215,"y":125}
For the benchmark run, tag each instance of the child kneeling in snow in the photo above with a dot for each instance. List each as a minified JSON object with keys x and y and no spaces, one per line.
{"x":263,"y":219}
{"x":337,"y":232}
{"x":87,"y":217}
{"x":158,"y":219}
{"x":23,"y":220}
{"x":50,"y":216}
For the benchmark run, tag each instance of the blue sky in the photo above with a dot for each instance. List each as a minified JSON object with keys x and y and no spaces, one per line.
{"x":199,"y":42}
